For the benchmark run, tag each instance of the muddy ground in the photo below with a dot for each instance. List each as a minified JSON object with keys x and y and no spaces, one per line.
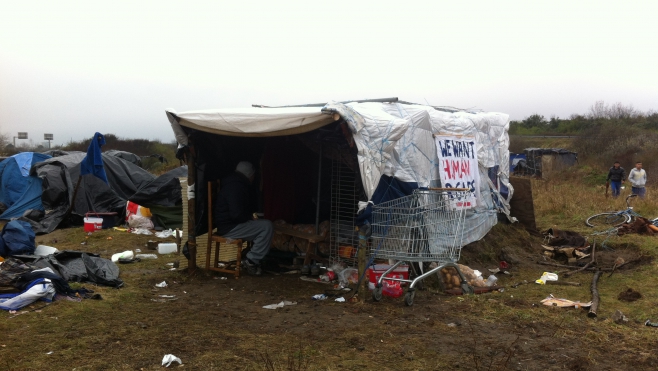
{"x":219,"y":324}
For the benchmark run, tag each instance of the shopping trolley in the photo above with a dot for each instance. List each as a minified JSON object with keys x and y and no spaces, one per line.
{"x":426,"y":226}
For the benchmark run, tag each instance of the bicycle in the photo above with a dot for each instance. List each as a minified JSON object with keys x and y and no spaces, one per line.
{"x":613,"y":218}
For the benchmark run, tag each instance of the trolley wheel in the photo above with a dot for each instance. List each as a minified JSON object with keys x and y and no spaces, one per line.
{"x":467,"y":289}
{"x":377,"y":293}
{"x":409,"y":297}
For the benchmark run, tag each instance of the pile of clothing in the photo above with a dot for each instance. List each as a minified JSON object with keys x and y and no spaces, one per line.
{"x":25,"y":279}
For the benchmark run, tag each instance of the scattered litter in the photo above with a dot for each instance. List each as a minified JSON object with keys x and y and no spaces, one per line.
{"x":126,"y":255}
{"x":109,"y":238}
{"x":141,"y":231}
{"x":619,"y":317}
{"x":552,"y":301}
{"x":311,"y":279}
{"x":494,"y":271}
{"x":547,"y":276}
{"x":161,"y":284}
{"x":168,"y":233}
{"x":491,"y":281}
{"x":280,"y":305}
{"x":167,"y":296}
{"x":51,"y":352}
{"x":319,"y":297}
{"x":170,"y":264}
{"x":452,"y":325}
{"x":172,"y":269}
{"x":296,"y":271}
{"x":146,"y":256}
{"x":524,"y":282}
{"x":164,"y":300}
{"x":340,"y":300}
{"x":629,"y":295}
{"x":167,"y":248}
{"x":649,"y":323}
{"x":506,"y":272}
{"x":504,"y":265}
{"x":138,"y":250}
{"x":120,"y":229}
{"x":220,"y":278}
{"x":169,"y":358}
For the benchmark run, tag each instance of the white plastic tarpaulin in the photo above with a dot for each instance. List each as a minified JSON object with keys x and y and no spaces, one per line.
{"x":393,"y":139}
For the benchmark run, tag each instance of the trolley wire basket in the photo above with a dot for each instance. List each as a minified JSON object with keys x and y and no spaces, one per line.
{"x":426,"y":226}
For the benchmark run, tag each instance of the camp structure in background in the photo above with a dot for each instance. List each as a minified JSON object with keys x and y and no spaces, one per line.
{"x":542,"y":162}
{"x":333,"y":161}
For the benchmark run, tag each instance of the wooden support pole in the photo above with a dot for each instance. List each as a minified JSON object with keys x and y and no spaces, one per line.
{"x":595,"y":296}
{"x":191,"y":209}
{"x":362,"y":258}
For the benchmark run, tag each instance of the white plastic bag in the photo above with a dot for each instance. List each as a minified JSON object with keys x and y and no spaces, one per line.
{"x":169,"y":358}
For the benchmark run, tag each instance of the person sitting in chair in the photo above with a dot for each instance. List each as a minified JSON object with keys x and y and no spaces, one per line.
{"x":233,"y":216}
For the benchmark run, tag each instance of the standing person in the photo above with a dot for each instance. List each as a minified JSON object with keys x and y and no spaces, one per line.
{"x":234,"y":218}
{"x":616,"y":176}
{"x":638,"y":179}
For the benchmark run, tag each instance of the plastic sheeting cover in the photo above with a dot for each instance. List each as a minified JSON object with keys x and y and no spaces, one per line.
{"x":395,"y":140}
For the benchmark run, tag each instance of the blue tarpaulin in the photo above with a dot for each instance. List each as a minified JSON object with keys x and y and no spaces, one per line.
{"x":93,"y":162}
{"x":17,"y":238}
{"x":18,"y":190}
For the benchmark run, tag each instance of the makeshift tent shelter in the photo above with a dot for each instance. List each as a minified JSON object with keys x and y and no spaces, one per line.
{"x":60,"y":176}
{"x":541,"y":162}
{"x":389,"y":144}
{"x":163,"y":196}
{"x":130,"y":157}
{"x":19,"y":191}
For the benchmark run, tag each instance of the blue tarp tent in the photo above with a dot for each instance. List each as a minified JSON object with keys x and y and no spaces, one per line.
{"x":18,"y":190}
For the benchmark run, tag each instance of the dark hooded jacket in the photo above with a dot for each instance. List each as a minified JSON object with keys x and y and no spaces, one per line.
{"x":233,"y":204}
{"x":616,"y":175}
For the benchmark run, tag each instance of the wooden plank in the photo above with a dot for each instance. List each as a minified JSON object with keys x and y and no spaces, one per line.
{"x":313,"y":238}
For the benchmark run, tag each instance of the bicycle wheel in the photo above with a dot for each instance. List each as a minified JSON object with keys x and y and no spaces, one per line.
{"x":608,"y":220}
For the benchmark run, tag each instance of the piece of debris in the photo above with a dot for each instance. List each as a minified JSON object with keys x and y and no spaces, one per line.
{"x":546,"y":276}
{"x":619,"y":317}
{"x":524,"y":282}
{"x":629,"y":295}
{"x":51,"y":352}
{"x":161,"y":284}
{"x":552,"y":301}
{"x":494,"y":271}
{"x":451,"y":325}
{"x":595,"y":295}
{"x":619,"y":261}
{"x":167,"y":296}
{"x":503,"y":265}
{"x":169,"y":358}
{"x":295,"y":271}
{"x":280,"y":305}
{"x":649,"y":323}
{"x":340,"y":300}
{"x":319,"y":297}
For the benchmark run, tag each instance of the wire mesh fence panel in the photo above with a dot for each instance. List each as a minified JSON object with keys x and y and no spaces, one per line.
{"x":426,"y":226}
{"x":343,"y":238}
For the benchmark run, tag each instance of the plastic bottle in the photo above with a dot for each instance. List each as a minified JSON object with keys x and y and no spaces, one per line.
{"x":491,"y":281}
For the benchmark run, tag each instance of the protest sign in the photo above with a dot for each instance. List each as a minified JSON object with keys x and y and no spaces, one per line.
{"x":458,"y":167}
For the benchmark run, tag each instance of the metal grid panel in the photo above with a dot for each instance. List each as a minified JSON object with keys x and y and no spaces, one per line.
{"x":424,"y":227}
{"x":343,"y":238}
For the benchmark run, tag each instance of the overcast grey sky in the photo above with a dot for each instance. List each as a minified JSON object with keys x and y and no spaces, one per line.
{"x":72,"y":68}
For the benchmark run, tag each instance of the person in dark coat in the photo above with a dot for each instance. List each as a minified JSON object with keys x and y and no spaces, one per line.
{"x":616,"y":176}
{"x":233,"y":216}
